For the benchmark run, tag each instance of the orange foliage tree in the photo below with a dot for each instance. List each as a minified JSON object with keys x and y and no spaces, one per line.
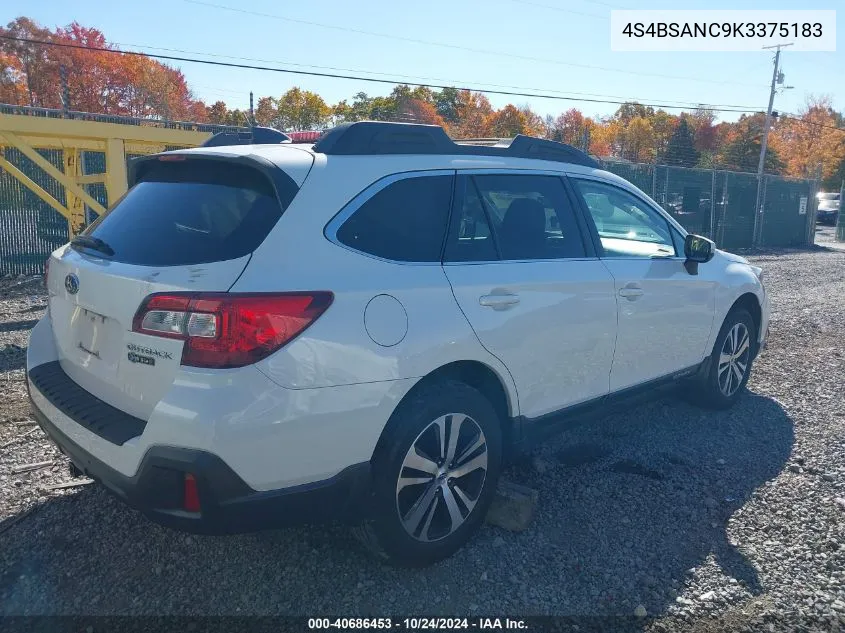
{"x":97,"y":81}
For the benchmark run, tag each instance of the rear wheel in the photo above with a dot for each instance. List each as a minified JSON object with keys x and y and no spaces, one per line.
{"x":730,"y":363}
{"x":435,"y":474}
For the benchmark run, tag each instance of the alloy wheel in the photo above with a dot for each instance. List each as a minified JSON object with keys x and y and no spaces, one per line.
{"x":442,"y":477}
{"x":734,"y":359}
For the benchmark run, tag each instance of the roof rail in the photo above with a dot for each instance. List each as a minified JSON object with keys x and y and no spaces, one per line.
{"x":253,"y":136}
{"x":379,"y":137}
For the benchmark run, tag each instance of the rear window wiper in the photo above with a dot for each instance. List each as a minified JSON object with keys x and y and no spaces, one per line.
{"x":92,"y":243}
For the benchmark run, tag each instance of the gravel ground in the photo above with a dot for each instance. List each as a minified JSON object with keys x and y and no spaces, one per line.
{"x":711,"y":521}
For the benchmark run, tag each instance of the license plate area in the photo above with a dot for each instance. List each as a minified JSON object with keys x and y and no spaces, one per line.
{"x":93,"y":335}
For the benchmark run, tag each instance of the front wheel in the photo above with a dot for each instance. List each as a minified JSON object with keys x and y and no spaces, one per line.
{"x":730,"y":363}
{"x":435,"y":475}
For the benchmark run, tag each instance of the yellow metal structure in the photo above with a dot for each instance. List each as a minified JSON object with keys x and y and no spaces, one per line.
{"x":26,"y":133}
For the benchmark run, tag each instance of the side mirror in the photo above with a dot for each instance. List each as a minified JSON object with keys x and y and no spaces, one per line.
{"x":697,"y":250}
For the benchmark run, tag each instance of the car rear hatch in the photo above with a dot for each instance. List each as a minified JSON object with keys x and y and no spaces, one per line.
{"x":188,"y":223}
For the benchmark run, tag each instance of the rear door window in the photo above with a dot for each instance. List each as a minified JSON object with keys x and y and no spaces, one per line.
{"x":190,"y":212}
{"x":531,"y":216}
{"x":404,"y":222}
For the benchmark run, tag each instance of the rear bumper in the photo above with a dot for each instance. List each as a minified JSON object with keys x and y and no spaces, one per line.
{"x":227,"y":503}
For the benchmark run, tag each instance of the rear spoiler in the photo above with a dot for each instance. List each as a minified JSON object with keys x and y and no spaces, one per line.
{"x":253,"y":136}
{"x":285,"y":186}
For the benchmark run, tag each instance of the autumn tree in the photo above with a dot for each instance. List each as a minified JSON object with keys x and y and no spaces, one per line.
{"x":37,"y":70}
{"x":638,"y":140}
{"x":418,"y":111}
{"x":569,"y":127}
{"x":507,"y":122}
{"x":266,"y":112}
{"x":663,"y":125}
{"x":604,"y":138}
{"x":12,"y":82}
{"x":811,"y":141}
{"x":97,"y":81}
{"x":474,"y":115}
{"x":534,"y":124}
{"x":702,"y":121}
{"x":743,"y":143}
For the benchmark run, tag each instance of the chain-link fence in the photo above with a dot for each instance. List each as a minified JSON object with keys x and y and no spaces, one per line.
{"x":720,"y":204}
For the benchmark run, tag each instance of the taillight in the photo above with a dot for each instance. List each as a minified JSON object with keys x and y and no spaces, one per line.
{"x":191,"y":496}
{"x":223,"y":330}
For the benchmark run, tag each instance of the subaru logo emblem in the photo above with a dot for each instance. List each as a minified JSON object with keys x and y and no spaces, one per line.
{"x":72,"y":284}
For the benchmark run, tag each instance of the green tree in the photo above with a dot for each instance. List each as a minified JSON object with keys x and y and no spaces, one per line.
{"x":446,"y":103}
{"x":631,"y":109}
{"x":302,"y":110}
{"x":217,"y":113}
{"x":383,"y":109}
{"x":681,"y":149}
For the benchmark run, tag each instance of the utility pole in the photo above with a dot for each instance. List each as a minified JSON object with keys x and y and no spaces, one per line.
{"x":777,"y":78}
{"x":251,"y":111}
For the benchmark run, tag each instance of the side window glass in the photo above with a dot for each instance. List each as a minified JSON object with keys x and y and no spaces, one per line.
{"x":531,"y":216}
{"x":627,"y":226}
{"x":470,"y":239}
{"x":405,"y":221}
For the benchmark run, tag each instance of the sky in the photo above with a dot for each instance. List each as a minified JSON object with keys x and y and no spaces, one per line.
{"x":536,"y":46}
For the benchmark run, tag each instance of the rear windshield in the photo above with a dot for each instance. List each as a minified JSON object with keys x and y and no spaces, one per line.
{"x":190,"y":212}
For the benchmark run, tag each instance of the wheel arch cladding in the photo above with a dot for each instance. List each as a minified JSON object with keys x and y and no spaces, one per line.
{"x":476,"y":375}
{"x":751,"y":303}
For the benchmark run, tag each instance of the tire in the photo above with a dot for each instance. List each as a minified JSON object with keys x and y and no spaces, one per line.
{"x":718,"y":389}
{"x":426,"y":536}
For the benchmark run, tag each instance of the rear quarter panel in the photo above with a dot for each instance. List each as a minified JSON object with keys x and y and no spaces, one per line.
{"x":337,"y":350}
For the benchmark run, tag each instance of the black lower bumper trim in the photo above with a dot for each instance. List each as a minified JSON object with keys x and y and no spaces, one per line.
{"x":84,"y":408}
{"x":228,"y":504}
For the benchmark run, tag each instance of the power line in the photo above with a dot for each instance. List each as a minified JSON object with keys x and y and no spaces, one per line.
{"x":481,"y":51}
{"x":692,"y":104}
{"x":352,"y":77}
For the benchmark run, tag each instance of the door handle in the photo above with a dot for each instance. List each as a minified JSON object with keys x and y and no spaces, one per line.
{"x":498,"y":302}
{"x":631,"y":292}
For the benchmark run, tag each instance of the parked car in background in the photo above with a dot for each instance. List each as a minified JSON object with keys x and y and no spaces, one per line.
{"x":370,"y":328}
{"x":828,"y":208}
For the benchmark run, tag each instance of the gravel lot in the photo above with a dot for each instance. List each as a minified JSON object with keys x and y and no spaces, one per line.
{"x":725,"y":521}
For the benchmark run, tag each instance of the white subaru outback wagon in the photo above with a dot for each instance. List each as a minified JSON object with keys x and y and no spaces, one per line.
{"x":369,"y":328}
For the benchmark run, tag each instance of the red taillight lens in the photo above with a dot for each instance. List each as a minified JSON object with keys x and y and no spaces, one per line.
{"x":191,"y":500}
{"x":223,"y":330}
